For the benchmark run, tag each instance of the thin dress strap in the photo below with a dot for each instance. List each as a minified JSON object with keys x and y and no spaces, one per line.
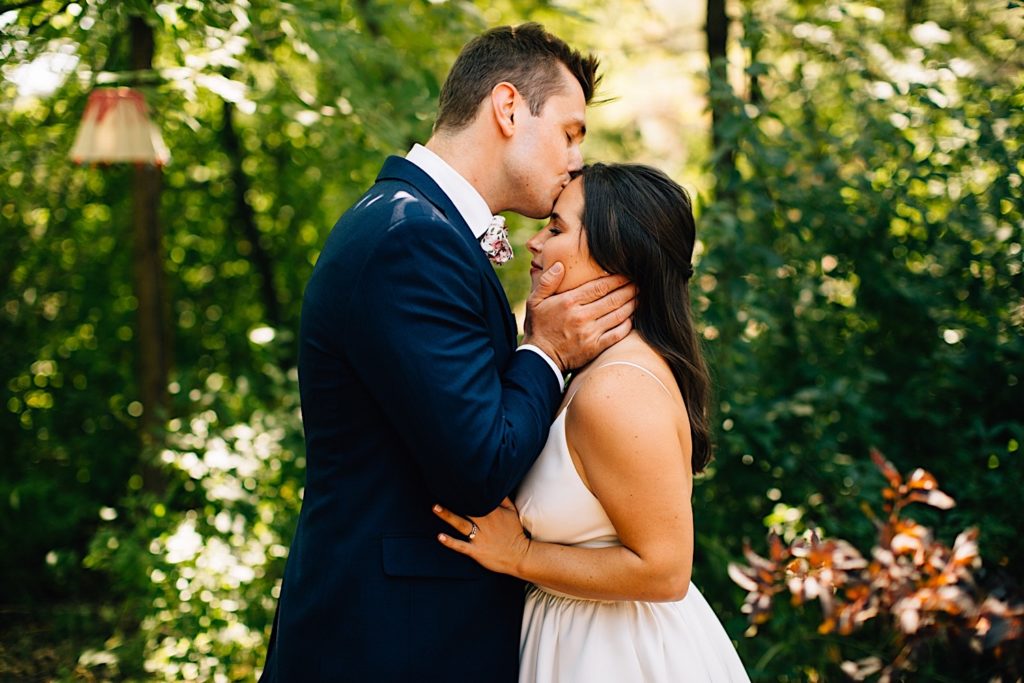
{"x":622,"y":362}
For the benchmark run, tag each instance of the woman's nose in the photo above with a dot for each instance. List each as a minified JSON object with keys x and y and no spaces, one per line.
{"x":534,"y":243}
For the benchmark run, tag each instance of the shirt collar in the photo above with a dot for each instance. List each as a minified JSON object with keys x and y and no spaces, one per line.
{"x":464,"y":196}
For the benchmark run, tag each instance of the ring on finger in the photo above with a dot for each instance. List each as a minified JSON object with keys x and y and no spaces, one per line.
{"x":474,"y":530}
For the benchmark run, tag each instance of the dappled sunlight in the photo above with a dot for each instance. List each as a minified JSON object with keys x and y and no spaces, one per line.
{"x":211,"y":568}
{"x":860,"y":219}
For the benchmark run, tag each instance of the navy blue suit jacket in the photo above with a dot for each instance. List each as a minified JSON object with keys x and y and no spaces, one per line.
{"x":412,"y":394}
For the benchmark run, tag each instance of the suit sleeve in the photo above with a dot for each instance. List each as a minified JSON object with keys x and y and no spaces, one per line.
{"x":422,"y":345}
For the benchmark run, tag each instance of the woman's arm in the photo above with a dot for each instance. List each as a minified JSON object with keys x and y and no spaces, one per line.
{"x":628,"y":435}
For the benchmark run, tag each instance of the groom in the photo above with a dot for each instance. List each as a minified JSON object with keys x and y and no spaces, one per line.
{"x":413,"y":390}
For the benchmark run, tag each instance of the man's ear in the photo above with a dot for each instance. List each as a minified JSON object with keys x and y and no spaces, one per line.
{"x":504,"y":98}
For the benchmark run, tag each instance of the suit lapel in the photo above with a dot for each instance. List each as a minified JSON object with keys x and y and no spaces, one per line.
{"x":403,"y":170}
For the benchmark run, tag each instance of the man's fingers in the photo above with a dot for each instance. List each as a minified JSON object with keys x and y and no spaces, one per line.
{"x":572,"y":327}
{"x":616,"y":334}
{"x":614,"y":317}
{"x":550,"y":279}
{"x":597,"y":289}
{"x":619,"y":298}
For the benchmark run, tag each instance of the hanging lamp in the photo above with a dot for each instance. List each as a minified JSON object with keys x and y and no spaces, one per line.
{"x":116,"y":128}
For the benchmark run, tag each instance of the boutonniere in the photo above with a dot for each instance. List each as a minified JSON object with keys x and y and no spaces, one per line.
{"x":495,"y":242}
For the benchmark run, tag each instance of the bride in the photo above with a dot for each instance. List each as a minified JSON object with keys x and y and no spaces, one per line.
{"x":602,"y":526}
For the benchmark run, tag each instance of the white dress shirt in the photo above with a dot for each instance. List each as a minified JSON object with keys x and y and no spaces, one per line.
{"x":472,"y":207}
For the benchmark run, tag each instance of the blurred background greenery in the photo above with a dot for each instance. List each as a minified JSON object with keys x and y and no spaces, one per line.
{"x":857,"y":168}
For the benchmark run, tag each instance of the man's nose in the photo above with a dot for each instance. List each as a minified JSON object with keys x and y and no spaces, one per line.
{"x":575,"y":159}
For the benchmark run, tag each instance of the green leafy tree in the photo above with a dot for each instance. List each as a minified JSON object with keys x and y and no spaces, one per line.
{"x":861,"y":284}
{"x":278,"y":116}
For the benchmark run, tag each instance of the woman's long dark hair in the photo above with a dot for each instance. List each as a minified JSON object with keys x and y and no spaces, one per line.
{"x":639,"y":223}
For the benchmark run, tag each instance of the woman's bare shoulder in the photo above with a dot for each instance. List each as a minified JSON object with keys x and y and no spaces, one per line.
{"x":627,"y":390}
{"x":632,"y":364}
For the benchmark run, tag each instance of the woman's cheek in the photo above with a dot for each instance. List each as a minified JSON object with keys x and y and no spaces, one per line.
{"x":574,"y":275}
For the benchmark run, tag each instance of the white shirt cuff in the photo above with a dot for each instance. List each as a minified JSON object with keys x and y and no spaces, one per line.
{"x":547,"y":359}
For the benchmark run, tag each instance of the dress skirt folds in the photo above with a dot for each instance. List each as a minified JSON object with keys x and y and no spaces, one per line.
{"x":566,"y":639}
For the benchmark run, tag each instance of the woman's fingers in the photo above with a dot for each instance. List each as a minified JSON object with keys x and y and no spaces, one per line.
{"x":458,"y":546}
{"x":460,"y":524}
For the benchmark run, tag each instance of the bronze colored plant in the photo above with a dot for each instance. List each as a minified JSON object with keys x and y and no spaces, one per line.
{"x":922,"y":588}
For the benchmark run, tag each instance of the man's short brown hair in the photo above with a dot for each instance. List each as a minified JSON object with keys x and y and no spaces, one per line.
{"x":526,"y":56}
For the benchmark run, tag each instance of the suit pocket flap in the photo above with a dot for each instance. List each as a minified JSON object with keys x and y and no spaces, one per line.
{"x":426,"y":557}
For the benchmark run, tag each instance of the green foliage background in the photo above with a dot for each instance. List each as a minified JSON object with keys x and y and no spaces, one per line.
{"x":859,"y":284}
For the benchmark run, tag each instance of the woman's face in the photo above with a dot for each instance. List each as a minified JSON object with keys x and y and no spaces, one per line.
{"x":563,"y":240}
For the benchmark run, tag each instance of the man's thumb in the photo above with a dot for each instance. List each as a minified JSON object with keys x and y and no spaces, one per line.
{"x":549,"y":281}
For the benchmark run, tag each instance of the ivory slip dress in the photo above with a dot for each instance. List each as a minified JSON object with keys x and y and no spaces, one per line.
{"x":567,"y":639}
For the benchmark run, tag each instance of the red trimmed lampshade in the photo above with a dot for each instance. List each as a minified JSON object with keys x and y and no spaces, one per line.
{"x":116,"y":128}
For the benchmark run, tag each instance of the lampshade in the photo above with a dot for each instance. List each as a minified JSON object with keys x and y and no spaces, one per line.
{"x":116,"y":128}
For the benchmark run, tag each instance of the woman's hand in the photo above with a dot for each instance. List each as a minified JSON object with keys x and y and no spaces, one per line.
{"x":497,"y":540}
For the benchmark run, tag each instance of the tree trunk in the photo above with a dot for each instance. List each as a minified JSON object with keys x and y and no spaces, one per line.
{"x":913,"y":12}
{"x":717,"y":31}
{"x":153,"y":331}
{"x":246,"y":220}
{"x":369,"y":17}
{"x":754,"y":37}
